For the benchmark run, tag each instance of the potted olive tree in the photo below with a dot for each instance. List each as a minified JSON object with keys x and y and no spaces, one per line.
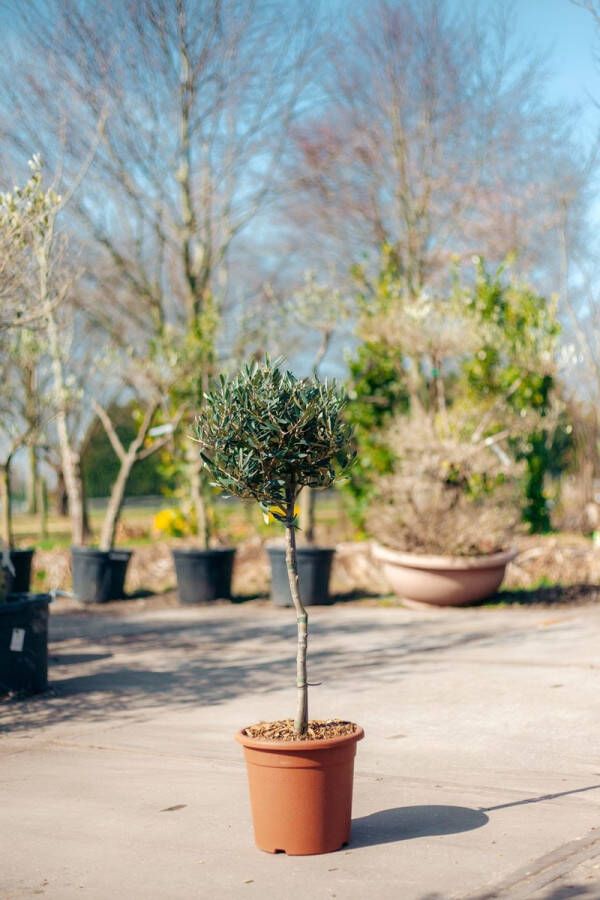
{"x":264,"y":435}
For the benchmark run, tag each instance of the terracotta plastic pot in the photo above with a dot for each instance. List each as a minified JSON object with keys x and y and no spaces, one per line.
{"x":442,"y":580}
{"x":301,"y":793}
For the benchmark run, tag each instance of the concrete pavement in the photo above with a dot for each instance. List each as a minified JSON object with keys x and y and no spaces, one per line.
{"x":479,"y":776}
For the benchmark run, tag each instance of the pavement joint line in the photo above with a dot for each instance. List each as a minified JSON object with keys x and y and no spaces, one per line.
{"x":543,"y":871}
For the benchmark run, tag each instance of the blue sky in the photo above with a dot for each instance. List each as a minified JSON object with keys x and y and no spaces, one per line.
{"x":568,"y":33}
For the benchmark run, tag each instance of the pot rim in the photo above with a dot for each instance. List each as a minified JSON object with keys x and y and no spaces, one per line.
{"x":298,"y":746}
{"x":201,"y":551}
{"x":301,"y":548}
{"x":426,"y":561}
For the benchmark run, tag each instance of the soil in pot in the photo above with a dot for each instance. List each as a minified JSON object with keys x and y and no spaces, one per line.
{"x":301,"y":790}
{"x":21,"y":560}
{"x":24,"y":644}
{"x":314,"y":570}
{"x":203,"y":575}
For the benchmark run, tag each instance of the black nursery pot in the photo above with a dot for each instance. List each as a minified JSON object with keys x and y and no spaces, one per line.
{"x":314,"y":569}
{"x":92,"y":574}
{"x":119,"y":561}
{"x":99,"y":575}
{"x":203,"y":574}
{"x":24,"y":644}
{"x":21,"y":560}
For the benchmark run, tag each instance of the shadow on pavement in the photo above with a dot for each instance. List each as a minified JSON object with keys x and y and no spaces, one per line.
{"x":553,"y":595}
{"x":528,"y":800}
{"x":406,"y":822}
{"x":101,"y":665}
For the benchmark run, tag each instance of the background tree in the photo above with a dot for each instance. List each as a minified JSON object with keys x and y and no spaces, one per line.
{"x":100,"y":465}
{"x":195,"y":102}
{"x":29,"y":214}
{"x":435,"y":137}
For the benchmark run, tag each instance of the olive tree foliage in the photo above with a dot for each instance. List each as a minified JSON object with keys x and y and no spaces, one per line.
{"x":264,"y":435}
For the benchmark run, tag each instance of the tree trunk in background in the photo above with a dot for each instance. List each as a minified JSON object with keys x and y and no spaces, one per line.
{"x":115,"y":502}
{"x":42,"y":507}
{"x":61,"y":498}
{"x":6,"y":500}
{"x":197,"y":493}
{"x":69,"y":457}
{"x":87,"y":530}
{"x":32,"y":482}
{"x":308,"y":502}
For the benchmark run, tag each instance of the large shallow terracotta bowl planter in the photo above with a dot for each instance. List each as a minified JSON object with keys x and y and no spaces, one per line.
{"x":442,"y":580}
{"x":301,"y":792}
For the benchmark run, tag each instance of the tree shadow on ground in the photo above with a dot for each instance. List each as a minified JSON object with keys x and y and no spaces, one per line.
{"x":566,"y":892}
{"x":570,"y":891}
{"x":551,"y":595}
{"x":406,"y":822}
{"x":107,"y":664}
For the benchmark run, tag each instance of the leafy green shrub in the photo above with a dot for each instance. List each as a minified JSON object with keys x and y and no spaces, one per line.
{"x":376,"y":392}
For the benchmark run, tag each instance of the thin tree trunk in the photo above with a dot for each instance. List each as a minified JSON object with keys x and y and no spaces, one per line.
{"x":87,"y":530}
{"x":308,"y":502}
{"x":32,"y":481}
{"x":301,"y":720}
{"x":198,"y":496}
{"x":127,"y":461}
{"x":6,"y":499}
{"x":61,"y":501}
{"x":115,"y":503}
{"x":68,"y":457}
{"x":42,"y":507}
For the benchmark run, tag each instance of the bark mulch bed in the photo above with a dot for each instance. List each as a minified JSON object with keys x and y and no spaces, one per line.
{"x":283,"y":730}
{"x":560,"y":568}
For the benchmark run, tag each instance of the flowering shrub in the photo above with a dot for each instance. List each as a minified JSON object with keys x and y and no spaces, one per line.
{"x":173,"y":523}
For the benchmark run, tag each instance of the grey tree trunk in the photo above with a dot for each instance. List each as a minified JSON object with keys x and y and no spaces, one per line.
{"x":32,"y":481}
{"x":6,"y":500}
{"x":198,"y":496}
{"x":42,"y":507}
{"x":61,"y":498}
{"x":115,"y":502}
{"x":308,"y":502}
{"x":70,"y":459}
{"x":301,"y":719}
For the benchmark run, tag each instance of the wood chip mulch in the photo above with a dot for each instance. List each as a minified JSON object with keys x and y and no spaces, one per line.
{"x":283,"y":730}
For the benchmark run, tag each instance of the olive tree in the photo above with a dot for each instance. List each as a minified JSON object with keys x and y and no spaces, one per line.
{"x":264,"y":435}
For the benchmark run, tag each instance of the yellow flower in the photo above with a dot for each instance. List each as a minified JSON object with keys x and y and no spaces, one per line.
{"x":275,"y":511}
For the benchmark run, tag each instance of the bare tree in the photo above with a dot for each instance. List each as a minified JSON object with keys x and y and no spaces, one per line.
{"x":29,"y":215}
{"x":435,"y":138}
{"x":196,"y":101}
